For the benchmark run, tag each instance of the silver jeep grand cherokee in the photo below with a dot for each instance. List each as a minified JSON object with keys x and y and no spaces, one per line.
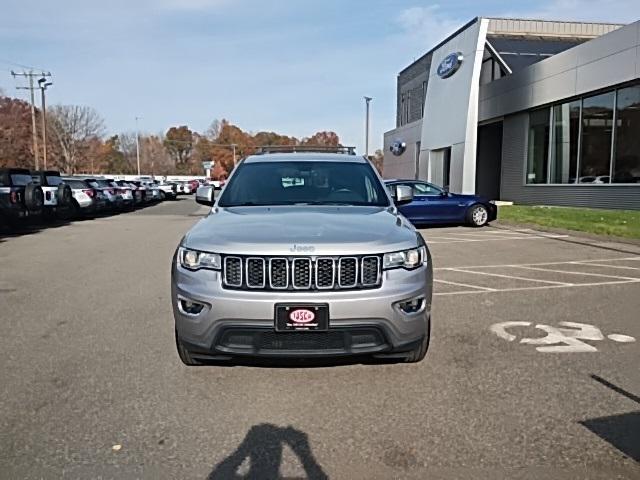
{"x":302,"y":255}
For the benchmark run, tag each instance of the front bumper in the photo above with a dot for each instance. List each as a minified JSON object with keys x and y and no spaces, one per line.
{"x":241,"y":323}
{"x":493,"y":212}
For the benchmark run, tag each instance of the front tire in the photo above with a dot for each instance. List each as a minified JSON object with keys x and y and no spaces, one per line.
{"x":478,"y":216}
{"x":184,"y":354}
{"x":418,"y":354}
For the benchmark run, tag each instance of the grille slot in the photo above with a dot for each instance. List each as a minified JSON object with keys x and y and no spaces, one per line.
{"x":233,"y":271}
{"x":325,"y":273}
{"x":302,"y":273}
{"x":348,"y":272}
{"x":256,"y":272}
{"x":301,"y":341}
{"x":369,"y":271}
{"x":279,"y":273}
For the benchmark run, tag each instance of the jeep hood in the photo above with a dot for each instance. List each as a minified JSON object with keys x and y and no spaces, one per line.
{"x":299,"y":230}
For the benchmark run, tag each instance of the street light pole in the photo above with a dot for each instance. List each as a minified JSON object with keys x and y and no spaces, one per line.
{"x":366,"y":135}
{"x":43,"y":87}
{"x":138,"y":146}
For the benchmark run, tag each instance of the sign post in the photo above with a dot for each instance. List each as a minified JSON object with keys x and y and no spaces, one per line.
{"x":208,"y":166}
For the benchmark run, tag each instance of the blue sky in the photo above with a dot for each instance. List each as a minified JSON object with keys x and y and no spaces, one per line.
{"x":294,"y":67}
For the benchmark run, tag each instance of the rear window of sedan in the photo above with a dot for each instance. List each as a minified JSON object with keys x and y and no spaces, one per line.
{"x":76,"y":184}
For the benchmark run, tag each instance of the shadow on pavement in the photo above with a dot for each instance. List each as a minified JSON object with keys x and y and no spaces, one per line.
{"x":622,"y":431}
{"x":262,"y":447}
{"x":29,"y":228}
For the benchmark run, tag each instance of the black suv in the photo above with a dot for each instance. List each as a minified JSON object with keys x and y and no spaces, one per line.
{"x":19,"y":196}
{"x":57,"y":195}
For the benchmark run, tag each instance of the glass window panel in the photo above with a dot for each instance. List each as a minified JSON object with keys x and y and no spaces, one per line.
{"x":425,"y":189}
{"x":597,"y":127}
{"x":626,"y":168}
{"x":564,"y":151}
{"x":537,"y":159}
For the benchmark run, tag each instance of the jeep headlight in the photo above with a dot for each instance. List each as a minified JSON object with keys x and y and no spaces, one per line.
{"x":194,"y":259}
{"x":405,"y":259}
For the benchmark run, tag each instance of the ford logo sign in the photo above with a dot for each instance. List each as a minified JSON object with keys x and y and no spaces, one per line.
{"x":398,"y":147}
{"x":302,"y":315}
{"x":450,"y":65}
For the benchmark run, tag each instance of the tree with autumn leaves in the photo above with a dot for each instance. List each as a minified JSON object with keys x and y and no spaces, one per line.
{"x":76,"y":143}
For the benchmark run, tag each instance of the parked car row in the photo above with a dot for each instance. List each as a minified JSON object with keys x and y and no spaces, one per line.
{"x":44,"y":195}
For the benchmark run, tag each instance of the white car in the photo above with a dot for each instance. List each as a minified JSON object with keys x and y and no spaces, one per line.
{"x":86,"y":199}
{"x":167,"y":190}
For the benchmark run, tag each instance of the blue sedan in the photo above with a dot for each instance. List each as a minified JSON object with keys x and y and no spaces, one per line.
{"x":434,"y":205}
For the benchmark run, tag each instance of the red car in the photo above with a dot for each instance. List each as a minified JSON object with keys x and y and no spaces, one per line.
{"x":194,"y":185}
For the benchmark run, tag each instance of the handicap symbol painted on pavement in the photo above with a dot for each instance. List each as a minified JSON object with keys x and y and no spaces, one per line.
{"x":569,"y":339}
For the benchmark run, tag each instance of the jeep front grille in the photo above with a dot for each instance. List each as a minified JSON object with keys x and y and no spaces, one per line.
{"x":302,"y":273}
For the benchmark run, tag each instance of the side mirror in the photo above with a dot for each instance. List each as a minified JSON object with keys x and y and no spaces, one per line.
{"x":205,"y":195}
{"x":403,"y":194}
{"x":445,"y":192}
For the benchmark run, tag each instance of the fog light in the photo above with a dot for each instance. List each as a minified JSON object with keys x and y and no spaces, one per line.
{"x":190,"y":307}
{"x":413,"y":305}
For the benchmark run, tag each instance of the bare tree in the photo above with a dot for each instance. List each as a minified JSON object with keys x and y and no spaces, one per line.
{"x":154,"y":157}
{"x":74,"y":127}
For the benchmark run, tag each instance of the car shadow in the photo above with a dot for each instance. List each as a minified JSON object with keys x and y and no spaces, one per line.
{"x":428,"y":226}
{"x":301,"y":363}
{"x":29,"y":228}
{"x":263,"y":447}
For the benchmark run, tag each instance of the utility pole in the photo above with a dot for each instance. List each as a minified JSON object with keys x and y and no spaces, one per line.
{"x":366,"y":128}
{"x":138,"y":145}
{"x":34,"y":134}
{"x":233,"y":145}
{"x":43,"y":86}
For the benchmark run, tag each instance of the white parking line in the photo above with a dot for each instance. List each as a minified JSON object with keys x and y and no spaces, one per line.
{"x":464,"y":240}
{"x":465,"y":285}
{"x":542,"y":263}
{"x":587,"y":274}
{"x":544,"y":287}
{"x":511,"y":277}
{"x":605,"y":265}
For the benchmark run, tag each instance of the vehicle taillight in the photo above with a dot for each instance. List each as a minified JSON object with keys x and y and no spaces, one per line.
{"x":14,"y":197}
{"x":90,"y":193}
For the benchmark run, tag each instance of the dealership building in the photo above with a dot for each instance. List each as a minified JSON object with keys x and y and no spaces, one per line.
{"x":530,"y":111}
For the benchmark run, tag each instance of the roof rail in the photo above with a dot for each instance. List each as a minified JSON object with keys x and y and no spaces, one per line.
{"x":305,"y":148}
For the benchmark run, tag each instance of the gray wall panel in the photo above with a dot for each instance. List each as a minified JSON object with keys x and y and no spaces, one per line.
{"x":403,"y":166}
{"x":554,"y":88}
{"x":514,"y":157}
{"x":613,"y":69}
{"x":607,"y":45}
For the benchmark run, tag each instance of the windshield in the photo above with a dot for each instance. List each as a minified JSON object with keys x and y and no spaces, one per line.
{"x":20,"y":179}
{"x":304,"y":182}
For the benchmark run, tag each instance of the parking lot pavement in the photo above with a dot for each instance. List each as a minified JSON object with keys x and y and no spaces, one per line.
{"x":532,"y":372}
